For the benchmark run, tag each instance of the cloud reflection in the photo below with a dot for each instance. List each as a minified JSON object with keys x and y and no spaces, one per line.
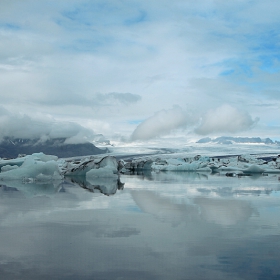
{"x":180,"y":232}
{"x":224,"y":212}
{"x":161,"y":207}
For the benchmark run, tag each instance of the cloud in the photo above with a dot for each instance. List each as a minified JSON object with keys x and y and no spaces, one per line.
{"x":225,"y":119}
{"x":76,"y":58}
{"x":275,"y":94}
{"x":162,"y":123}
{"x":23,"y":126}
{"x":113,"y":97}
{"x":98,"y":99}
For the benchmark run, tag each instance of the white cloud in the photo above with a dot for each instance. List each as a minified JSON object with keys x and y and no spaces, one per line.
{"x":75,"y":58}
{"x":225,"y":119}
{"x":162,"y":123}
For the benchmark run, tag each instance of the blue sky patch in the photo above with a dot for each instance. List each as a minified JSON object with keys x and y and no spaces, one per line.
{"x":10,"y":26}
{"x":135,"y":121}
{"x":141,"y":17}
{"x":227,"y":72}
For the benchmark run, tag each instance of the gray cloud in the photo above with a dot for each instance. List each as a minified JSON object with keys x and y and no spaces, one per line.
{"x":274,"y":93}
{"x":94,"y":100}
{"x":23,"y":126}
{"x":225,"y":119}
{"x":113,"y":97}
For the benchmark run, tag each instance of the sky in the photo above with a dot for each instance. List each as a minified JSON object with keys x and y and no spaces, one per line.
{"x":138,"y":70}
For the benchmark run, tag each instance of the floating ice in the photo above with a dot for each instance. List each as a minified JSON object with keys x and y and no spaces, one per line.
{"x":8,"y":167}
{"x":242,"y":164}
{"x":94,"y":167}
{"x":34,"y":167}
{"x":41,"y":167}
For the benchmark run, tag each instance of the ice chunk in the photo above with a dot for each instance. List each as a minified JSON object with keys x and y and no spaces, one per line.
{"x":97,"y":167}
{"x":36,"y":166}
{"x":8,"y":167}
{"x":197,"y":164}
{"x":106,"y":167}
{"x":12,"y":162}
{"x":109,"y":162}
{"x":43,"y":157}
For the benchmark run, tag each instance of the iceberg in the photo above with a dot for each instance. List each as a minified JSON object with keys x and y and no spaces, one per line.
{"x":243,"y":164}
{"x":8,"y":167}
{"x":39,"y":167}
{"x":94,"y":167}
{"x":95,"y":174}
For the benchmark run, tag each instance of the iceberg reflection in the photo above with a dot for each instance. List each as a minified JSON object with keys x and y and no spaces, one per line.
{"x":31,"y":188}
{"x":106,"y":186}
{"x":225,"y":212}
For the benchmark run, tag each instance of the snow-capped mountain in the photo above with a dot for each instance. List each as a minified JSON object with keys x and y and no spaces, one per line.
{"x":237,"y":140}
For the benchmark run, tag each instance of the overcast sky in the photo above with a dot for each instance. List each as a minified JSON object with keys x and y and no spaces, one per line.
{"x":140,"y":68}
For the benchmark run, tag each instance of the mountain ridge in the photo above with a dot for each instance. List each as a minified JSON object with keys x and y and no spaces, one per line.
{"x":12,"y":147}
{"x":226,"y":140}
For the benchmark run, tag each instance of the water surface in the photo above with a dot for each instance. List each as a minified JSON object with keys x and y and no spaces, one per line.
{"x":155,"y":226}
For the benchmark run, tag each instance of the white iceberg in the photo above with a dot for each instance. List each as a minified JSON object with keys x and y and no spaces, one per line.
{"x":34,"y":167}
{"x":8,"y":167}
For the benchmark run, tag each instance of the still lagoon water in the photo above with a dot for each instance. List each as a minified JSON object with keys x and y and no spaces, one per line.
{"x":147,"y":226}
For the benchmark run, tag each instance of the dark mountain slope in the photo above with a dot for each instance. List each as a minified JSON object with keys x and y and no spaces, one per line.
{"x":11,"y":148}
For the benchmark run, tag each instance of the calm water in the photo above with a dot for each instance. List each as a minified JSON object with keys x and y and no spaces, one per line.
{"x":155,"y":226}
